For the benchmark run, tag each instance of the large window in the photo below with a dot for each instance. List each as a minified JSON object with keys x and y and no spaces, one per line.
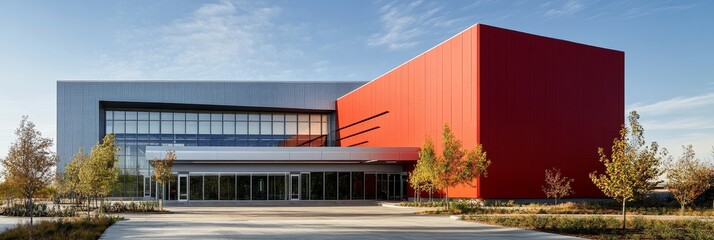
{"x":330,"y":186}
{"x":277,"y":187}
{"x":210,"y":187}
{"x":135,"y":129}
{"x":357,"y":185}
{"x":344,"y":188}
{"x":228,"y":187}
{"x":196,"y":187}
{"x":260,"y":187}
{"x":316,"y":185}
{"x":243,"y":187}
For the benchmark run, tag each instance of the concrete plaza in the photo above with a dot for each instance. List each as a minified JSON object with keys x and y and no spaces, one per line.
{"x":353,"y":222}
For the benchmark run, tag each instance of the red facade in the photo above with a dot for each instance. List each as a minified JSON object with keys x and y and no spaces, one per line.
{"x":533,"y":102}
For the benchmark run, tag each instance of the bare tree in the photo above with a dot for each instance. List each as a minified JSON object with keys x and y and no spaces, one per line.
{"x":557,"y":186}
{"x":30,"y":162}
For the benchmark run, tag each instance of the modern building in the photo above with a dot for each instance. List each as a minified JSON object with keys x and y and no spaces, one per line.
{"x":533,"y":102}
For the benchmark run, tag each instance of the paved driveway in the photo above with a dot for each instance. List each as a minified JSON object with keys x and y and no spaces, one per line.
{"x":307,"y":223}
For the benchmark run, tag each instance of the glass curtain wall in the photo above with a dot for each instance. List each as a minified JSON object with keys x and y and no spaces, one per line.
{"x":136,"y":129}
{"x":274,"y":186}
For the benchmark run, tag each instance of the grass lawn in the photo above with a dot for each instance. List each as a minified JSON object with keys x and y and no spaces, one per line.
{"x":63,"y":228}
{"x":605,"y":227}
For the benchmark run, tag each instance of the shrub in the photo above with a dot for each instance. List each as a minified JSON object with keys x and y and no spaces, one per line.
{"x":40,"y":210}
{"x":423,"y":204}
{"x":606,"y":227}
{"x":82,"y":228}
{"x":133,"y":207}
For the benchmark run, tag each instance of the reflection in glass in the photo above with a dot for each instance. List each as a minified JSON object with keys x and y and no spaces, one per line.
{"x":243,"y":187}
{"x":167,"y":127}
{"x":173,"y":189}
{"x":370,"y":183}
{"x":191,"y":127}
{"x":277,"y":187}
{"x":154,"y":127}
{"x":357,"y":185}
{"x":216,"y":127}
{"x":196,"y":188}
{"x":210,"y":187}
{"x":138,"y":129}
{"x":344,"y":186}
{"x":304,"y":186}
{"x":228,"y":187}
{"x":260,"y":187}
{"x":204,"y":127}
{"x":316,"y":185}
{"x":330,"y":186}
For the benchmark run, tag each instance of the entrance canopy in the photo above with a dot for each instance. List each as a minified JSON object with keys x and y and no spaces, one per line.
{"x":347,"y":155}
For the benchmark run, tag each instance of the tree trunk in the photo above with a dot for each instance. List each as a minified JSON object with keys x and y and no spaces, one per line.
{"x":681,"y":211}
{"x":624,"y":214}
{"x":447,"y":199}
{"x":430,"y":199}
{"x":556,"y":201}
{"x":32,"y":212}
{"x":89,"y":202}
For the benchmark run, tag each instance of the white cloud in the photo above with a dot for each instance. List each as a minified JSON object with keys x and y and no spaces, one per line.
{"x":568,"y":8}
{"x":675,"y":104}
{"x":404,"y":23}
{"x":680,"y":121}
{"x":221,"y":40}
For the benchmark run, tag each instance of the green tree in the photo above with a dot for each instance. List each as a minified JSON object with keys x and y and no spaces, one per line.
{"x":424,"y":176}
{"x":456,"y":166}
{"x":688,"y":177}
{"x":99,"y":172}
{"x":449,"y":163}
{"x":557,"y":186}
{"x":7,"y":192}
{"x":475,"y":165}
{"x":632,"y":168}
{"x":29,"y":163}
{"x":162,"y":171}
{"x":70,"y":178}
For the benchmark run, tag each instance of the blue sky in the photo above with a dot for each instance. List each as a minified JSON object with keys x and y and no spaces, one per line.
{"x":669,"y":47}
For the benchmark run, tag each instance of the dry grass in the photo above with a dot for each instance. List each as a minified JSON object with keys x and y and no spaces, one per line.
{"x":63,"y":228}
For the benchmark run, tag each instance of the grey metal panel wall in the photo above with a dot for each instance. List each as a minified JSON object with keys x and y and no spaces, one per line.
{"x":78,"y":119}
{"x":227,"y":168}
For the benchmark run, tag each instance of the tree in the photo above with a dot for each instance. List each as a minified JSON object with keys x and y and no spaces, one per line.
{"x":424,"y":176}
{"x":688,"y":177}
{"x":99,"y":172}
{"x":455,"y":166}
{"x":557,"y":186}
{"x":162,"y":170}
{"x":70,"y":177}
{"x":29,"y":163}
{"x":632,"y":168}
{"x":450,"y":161}
{"x":475,"y":165}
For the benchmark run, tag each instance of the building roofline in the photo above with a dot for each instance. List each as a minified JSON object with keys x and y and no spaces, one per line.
{"x":206,"y":81}
{"x":472,"y":26}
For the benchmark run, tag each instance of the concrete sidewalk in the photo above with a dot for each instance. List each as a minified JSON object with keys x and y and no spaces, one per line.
{"x":368,"y":222}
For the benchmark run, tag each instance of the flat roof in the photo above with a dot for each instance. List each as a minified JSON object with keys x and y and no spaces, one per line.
{"x":201,"y":154}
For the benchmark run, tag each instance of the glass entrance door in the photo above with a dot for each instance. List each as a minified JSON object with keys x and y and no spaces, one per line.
{"x":295,"y":187}
{"x":147,"y":186}
{"x":183,"y":187}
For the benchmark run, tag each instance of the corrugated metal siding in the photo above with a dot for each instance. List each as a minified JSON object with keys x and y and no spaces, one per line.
{"x":78,"y":119}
